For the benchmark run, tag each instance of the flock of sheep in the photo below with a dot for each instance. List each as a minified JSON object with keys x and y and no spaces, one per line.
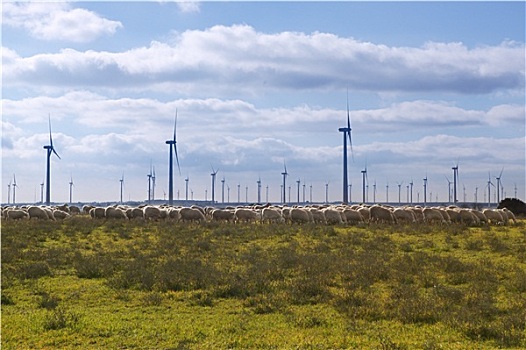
{"x":320,"y":214}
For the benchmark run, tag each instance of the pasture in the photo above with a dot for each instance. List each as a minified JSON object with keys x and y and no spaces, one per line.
{"x":85,"y":283}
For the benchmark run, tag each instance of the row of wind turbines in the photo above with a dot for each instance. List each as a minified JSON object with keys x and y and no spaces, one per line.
{"x":346,"y":192}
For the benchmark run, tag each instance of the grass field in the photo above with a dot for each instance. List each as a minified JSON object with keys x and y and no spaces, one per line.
{"x":88,"y":284}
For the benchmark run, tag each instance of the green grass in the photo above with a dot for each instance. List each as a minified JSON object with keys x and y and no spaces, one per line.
{"x":84,"y":284}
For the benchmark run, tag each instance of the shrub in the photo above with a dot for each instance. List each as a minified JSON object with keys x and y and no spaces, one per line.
{"x":34,"y":270}
{"x":60,"y":318}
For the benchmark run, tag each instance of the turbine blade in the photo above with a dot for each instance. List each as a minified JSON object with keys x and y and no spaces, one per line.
{"x":501,"y":172}
{"x":175,"y":124}
{"x":350,"y":143}
{"x":177,"y":159}
{"x":50,"y":138}
{"x":53,"y":149}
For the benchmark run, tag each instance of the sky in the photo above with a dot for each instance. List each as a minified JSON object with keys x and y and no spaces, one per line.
{"x":256,"y":85}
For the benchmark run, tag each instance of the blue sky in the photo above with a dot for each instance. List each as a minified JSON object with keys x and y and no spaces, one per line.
{"x":259,"y":83}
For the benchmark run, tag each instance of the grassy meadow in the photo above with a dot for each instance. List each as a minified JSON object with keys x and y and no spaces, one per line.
{"x":89,"y":284}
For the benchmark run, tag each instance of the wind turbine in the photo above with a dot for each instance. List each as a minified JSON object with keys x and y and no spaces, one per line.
{"x":153,"y":184}
{"x":298,"y":181}
{"x":448,"y":189}
{"x":387,"y":192}
{"x":411,"y":198}
{"x":49,"y":150}
{"x":71,"y":189}
{"x":489,"y":189}
{"x":42,"y":192}
{"x":399,"y":191}
{"x":259,"y":189}
{"x":170,"y":167}
{"x":327,"y":192}
{"x":186,"y":185}
{"x":213,"y":174}
{"x":455,"y":179}
{"x":150,"y":175}
{"x":122,"y":182}
{"x":223,"y":190}
{"x":9,"y":192}
{"x":364,"y":179}
{"x":284,"y":173}
{"x":14,"y":189}
{"x":425,"y":189}
{"x":498,"y":185}
{"x":346,"y":131}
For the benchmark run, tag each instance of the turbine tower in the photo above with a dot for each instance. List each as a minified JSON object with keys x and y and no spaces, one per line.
{"x":49,"y":150}
{"x":223,"y":190}
{"x":489,"y":189}
{"x":150,"y":184}
{"x":425,"y":189}
{"x":71,"y":189}
{"x":9,"y":192}
{"x":186,"y":185}
{"x":284,"y":173}
{"x":399,"y":192}
{"x":14,"y":189}
{"x":498,"y":186}
{"x":42,"y":192}
{"x":455,"y":179}
{"x":411,"y":198}
{"x":448,"y":189}
{"x":298,"y":182}
{"x":259,"y":189}
{"x":213,"y":174}
{"x":122,"y":182}
{"x":346,"y":131}
{"x":364,"y":179}
{"x":170,"y":167}
{"x":153,"y":184}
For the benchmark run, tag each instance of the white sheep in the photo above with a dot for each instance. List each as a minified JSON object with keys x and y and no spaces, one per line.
{"x":271,"y":215}
{"x":332,"y":216}
{"x":246,"y":215}
{"x":192,"y":214}
{"x":61,"y":215}
{"x":97,"y":213}
{"x":432,"y":215}
{"x":17,"y":214}
{"x":381,"y":214}
{"x":493,"y":216}
{"x":223,"y":215}
{"x":353,"y":216}
{"x":115,"y":213}
{"x":404,"y":215}
{"x":318,"y":215}
{"x":151,"y":212}
{"x":38,"y":213}
{"x":299,"y":215}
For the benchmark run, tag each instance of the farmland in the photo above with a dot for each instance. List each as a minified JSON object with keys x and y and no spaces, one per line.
{"x":91,"y":284}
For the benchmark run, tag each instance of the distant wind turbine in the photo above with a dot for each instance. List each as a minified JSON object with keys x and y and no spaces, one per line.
{"x":346,"y":131}
{"x":499,"y":185}
{"x":50,"y":149}
{"x":364,"y":180}
{"x":150,"y":175}
{"x":186,"y":185}
{"x":425,"y":190}
{"x":455,"y":181}
{"x":327,"y":192}
{"x":448,"y":189}
{"x":213,"y":174}
{"x":284,"y":173}
{"x":71,"y":189}
{"x":399,"y":191}
{"x":42,"y":192}
{"x":170,"y":165}
{"x":259,"y":189}
{"x":411,"y":197}
{"x":122,"y":182}
{"x":489,"y":189}
{"x":9,"y":192}
{"x":223,"y":190}
{"x":14,"y":189}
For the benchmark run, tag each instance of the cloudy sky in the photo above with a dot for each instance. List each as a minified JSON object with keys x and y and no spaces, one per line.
{"x":257,"y":84}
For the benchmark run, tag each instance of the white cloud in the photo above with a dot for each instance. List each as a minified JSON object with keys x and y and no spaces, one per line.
{"x":58,"y":21}
{"x":188,"y":6}
{"x":286,"y":60}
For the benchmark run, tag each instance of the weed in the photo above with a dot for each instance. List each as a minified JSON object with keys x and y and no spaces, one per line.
{"x":34,"y":270}
{"x":48,"y":301}
{"x":60,"y":318}
{"x":152,"y":299}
